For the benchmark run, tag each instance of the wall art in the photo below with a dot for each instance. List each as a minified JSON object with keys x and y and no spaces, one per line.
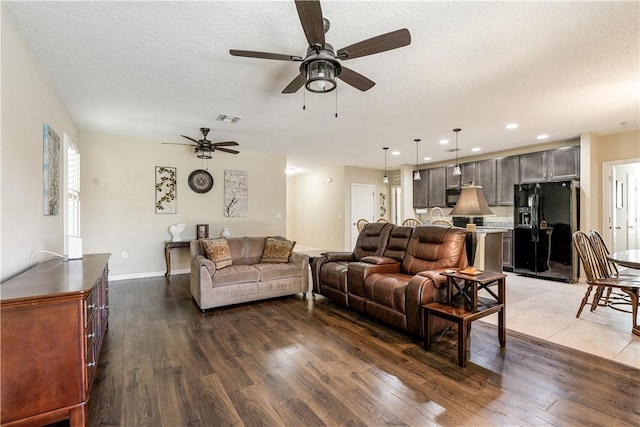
{"x":50,"y":170}
{"x":165,"y":190}
{"x":236,"y":193}
{"x":202,"y":231}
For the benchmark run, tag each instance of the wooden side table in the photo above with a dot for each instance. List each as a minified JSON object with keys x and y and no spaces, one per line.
{"x":168,"y":245}
{"x":463,"y":306}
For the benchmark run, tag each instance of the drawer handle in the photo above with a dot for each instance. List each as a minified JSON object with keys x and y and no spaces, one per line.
{"x":91,"y":306}
{"x":91,"y":364}
{"x":91,"y":335}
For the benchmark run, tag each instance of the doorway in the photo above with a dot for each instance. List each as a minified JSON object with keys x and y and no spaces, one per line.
{"x":362,"y":206}
{"x":621,"y":196}
{"x":396,"y":204}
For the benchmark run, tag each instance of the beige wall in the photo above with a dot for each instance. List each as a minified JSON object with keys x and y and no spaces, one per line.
{"x":28,"y":101}
{"x":118,"y":200}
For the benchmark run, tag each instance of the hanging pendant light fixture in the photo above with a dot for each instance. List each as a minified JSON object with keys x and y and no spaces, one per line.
{"x":385,"y":178}
{"x":416,"y":173}
{"x":456,"y":169}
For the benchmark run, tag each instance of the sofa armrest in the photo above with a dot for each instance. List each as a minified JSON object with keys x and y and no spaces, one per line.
{"x":339,"y":256}
{"x":202,"y":261}
{"x":302,"y":262}
{"x":357,"y":272}
{"x":439,"y":281}
{"x":422,"y":290}
{"x":379,"y":260}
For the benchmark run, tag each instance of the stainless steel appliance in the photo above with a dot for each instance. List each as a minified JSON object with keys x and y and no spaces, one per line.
{"x":452,"y":195}
{"x":546,"y":214}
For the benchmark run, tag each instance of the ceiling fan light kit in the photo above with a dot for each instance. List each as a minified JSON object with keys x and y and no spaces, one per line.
{"x":321,"y":66}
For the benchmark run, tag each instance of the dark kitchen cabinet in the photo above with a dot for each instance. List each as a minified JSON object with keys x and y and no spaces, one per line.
{"x":564,"y":163}
{"x":533,"y":167}
{"x":508,"y":174}
{"x":437,"y":187}
{"x":420,"y":190}
{"x":486,"y":178}
{"x":468,"y":175}
{"x":507,"y":250}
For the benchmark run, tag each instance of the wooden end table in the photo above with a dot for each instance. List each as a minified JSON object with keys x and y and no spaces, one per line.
{"x":463,"y":306}
{"x":170,"y":244}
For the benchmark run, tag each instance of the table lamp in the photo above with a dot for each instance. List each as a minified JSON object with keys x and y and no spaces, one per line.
{"x":471,"y":203}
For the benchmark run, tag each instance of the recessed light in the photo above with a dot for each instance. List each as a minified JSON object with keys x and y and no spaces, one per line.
{"x":444,"y":141}
{"x":227,"y":118}
{"x":476,"y":149}
{"x":542,"y":136}
{"x":395,"y":153}
{"x":427,"y":158}
{"x":511,"y":126}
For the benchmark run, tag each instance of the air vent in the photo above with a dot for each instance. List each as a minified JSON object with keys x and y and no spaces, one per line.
{"x":227,"y":118}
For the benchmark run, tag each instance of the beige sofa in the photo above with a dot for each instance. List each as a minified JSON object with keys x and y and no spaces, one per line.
{"x":246,"y":279}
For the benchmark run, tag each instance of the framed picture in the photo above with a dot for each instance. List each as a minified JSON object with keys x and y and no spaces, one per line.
{"x":202,"y":231}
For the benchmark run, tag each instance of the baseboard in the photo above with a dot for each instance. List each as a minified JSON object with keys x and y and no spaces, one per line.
{"x":117,"y":277}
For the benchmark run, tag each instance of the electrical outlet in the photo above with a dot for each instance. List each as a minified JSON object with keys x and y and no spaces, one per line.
{"x":125,"y":254}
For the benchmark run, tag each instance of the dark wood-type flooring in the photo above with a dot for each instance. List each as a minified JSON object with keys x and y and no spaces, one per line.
{"x":297,"y":362}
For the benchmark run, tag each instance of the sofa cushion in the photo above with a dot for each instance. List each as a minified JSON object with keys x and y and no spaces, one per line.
{"x":372,"y":240}
{"x":277,"y":250}
{"x":388,"y":290}
{"x":235,"y":274}
{"x":218,"y":251}
{"x":334,"y":275}
{"x":433,"y":248}
{"x":273,"y":271}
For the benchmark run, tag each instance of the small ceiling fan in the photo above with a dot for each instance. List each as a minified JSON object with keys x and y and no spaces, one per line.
{"x":204,"y":147}
{"x":321,"y":66}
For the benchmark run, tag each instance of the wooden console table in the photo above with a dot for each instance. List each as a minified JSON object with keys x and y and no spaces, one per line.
{"x":168,"y":245}
{"x":54,"y":319}
{"x":463,"y":306}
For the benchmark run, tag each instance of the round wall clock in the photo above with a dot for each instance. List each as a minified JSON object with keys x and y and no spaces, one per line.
{"x":200,"y":181}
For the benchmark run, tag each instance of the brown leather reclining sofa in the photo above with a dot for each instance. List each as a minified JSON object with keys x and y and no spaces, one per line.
{"x":392,"y":272}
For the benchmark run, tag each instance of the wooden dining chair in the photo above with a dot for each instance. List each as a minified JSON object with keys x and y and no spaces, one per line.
{"x":411,"y":222}
{"x":597,"y":276}
{"x":360,"y":224}
{"x":442,"y":221}
{"x":383,"y":220}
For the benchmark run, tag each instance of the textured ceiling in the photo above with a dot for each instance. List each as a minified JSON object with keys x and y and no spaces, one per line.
{"x":160,"y":69}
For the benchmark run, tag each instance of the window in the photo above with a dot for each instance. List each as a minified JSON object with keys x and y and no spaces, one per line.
{"x":72,"y":241}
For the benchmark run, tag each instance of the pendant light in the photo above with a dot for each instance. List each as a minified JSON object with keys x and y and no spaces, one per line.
{"x":456,"y":168}
{"x":385,"y":178}
{"x":416,"y":173}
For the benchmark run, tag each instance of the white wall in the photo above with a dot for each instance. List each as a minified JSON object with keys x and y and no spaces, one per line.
{"x":118,"y":200}
{"x":28,"y":101}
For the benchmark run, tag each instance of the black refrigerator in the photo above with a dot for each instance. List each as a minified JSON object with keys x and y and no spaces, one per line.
{"x":546,"y":214}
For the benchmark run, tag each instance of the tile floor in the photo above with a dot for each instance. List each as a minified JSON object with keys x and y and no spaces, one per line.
{"x":547,"y":310}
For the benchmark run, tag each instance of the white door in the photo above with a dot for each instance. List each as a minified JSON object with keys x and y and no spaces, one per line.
{"x":396,"y":204}
{"x":632,"y":212}
{"x":362,"y":206}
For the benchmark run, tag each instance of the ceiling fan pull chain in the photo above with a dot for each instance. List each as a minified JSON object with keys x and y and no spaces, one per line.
{"x":304,"y":99}
{"x":336,"y":101}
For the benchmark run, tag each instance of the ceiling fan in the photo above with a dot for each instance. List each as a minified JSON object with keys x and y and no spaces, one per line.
{"x":204,"y":147}
{"x":321,"y":66}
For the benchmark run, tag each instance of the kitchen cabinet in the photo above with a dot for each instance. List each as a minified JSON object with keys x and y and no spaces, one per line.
{"x":437,"y":187}
{"x":468,"y":175}
{"x":421,"y":191}
{"x":564,"y":163}
{"x":486,"y":178}
{"x":508,"y":174}
{"x":533,"y":167}
{"x":507,"y":250}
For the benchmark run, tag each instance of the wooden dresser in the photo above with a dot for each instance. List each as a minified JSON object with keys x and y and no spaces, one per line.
{"x":53,"y":318}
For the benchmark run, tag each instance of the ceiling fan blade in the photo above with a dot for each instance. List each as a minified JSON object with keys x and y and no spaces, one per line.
{"x":310,"y":14}
{"x":295,"y":84}
{"x":190,"y":139}
{"x":356,"y":80}
{"x":225,"y":144}
{"x":226,"y":150}
{"x":381,"y":43}
{"x":178,"y":143}
{"x":264,"y":55}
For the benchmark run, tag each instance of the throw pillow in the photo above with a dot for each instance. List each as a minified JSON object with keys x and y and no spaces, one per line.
{"x":218,"y":251}
{"x":277,"y":250}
